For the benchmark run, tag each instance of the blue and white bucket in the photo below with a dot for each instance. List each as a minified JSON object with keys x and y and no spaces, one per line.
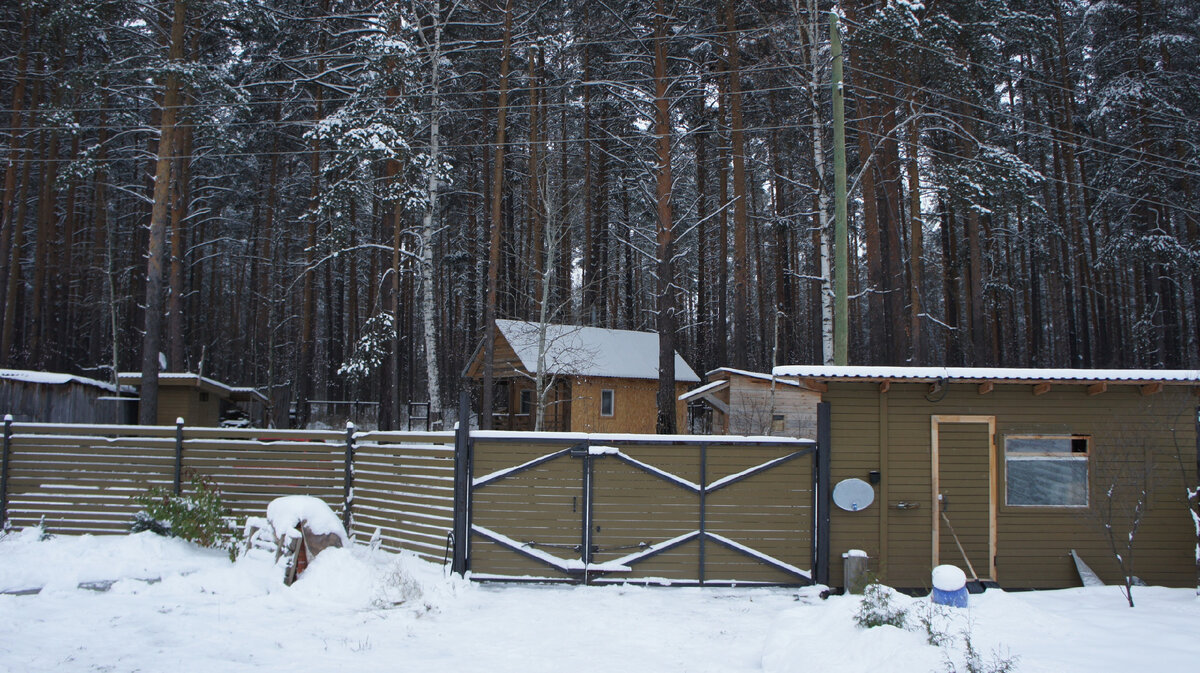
{"x":950,"y":586}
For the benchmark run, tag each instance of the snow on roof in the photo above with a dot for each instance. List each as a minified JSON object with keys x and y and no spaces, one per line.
{"x":183,"y":378}
{"x":55,"y":379}
{"x":1184,"y":376}
{"x":708,"y":387}
{"x":591,"y":351}
{"x":753,"y":375}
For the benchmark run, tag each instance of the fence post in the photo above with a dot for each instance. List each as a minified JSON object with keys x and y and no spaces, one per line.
{"x":821,"y":548}
{"x":179,"y":456}
{"x":348,"y":480}
{"x":8,"y":421}
{"x":462,"y":484}
{"x":703,"y":505}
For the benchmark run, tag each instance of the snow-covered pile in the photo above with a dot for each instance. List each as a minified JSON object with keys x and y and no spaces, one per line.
{"x":286,"y":514}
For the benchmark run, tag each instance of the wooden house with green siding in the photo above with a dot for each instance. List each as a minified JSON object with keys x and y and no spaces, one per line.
{"x":1018,"y":466}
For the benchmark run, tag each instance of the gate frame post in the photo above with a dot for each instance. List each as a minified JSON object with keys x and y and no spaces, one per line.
{"x":822,"y":494}
{"x":461,"y":531}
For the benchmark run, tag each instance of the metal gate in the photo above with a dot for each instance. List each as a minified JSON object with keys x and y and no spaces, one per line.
{"x":706,"y":510}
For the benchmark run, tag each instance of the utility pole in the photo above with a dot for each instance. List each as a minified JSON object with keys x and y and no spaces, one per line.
{"x":841,"y":241}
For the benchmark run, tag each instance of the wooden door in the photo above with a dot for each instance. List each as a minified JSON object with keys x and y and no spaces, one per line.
{"x":964,"y":493}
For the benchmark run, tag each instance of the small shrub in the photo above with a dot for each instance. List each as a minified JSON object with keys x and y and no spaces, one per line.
{"x":199,"y":516}
{"x":878,"y":608}
{"x":934,"y":621}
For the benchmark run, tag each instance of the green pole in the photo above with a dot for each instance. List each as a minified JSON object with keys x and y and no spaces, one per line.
{"x":841,"y":242}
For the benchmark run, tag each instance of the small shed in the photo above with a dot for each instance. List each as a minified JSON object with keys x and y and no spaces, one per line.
{"x":598,"y":380}
{"x":51,"y":397}
{"x":200,"y":400}
{"x":739,"y":402}
{"x":1019,"y":466}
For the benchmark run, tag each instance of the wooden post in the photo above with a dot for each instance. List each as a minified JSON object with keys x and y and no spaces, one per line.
{"x":703,"y":489}
{"x":462,"y":484}
{"x":841,"y":239}
{"x":348,"y":480}
{"x":178,"y":456}
{"x":823,"y":490}
{"x":8,"y":421}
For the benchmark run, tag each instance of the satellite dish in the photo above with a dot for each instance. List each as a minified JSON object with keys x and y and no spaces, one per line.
{"x":853,"y":495}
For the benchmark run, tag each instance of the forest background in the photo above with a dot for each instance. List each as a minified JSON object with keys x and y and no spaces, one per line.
{"x":333,"y":199}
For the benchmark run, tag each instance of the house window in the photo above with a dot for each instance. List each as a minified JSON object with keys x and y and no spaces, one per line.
{"x":1046,"y":471}
{"x":777,"y":423}
{"x":526,"y":402}
{"x":607,"y":402}
{"x":203,"y":397}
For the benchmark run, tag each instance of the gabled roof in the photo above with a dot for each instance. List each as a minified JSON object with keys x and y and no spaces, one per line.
{"x":994,"y":374}
{"x":590,"y":351}
{"x":54,"y":378}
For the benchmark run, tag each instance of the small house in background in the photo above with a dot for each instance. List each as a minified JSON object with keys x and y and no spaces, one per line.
{"x":199,"y":400}
{"x":50,"y":397}
{"x":598,"y":380}
{"x":737,"y":402}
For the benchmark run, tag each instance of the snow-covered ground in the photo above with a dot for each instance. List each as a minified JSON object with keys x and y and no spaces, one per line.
{"x":374,"y":611}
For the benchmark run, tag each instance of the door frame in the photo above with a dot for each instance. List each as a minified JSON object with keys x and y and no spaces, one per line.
{"x":935,"y":421}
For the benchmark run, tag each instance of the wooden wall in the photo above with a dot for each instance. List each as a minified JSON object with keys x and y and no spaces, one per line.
{"x":751,"y":406}
{"x":634,"y":410}
{"x":184,"y":402}
{"x":56,"y":403}
{"x":891,"y":432}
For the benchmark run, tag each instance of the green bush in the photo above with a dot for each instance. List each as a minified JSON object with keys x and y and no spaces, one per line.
{"x":198,"y":515}
{"x":877,"y":609}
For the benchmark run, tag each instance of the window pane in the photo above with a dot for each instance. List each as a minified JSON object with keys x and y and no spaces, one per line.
{"x":1039,"y":444}
{"x":606,"y":403}
{"x":1056,"y":482}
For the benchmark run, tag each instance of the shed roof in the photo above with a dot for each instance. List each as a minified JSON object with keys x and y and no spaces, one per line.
{"x":994,"y":374}
{"x":753,"y":375}
{"x":177,"y":379}
{"x":55,"y":378}
{"x":591,"y":351}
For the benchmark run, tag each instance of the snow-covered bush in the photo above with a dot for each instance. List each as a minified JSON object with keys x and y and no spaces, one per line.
{"x":879,"y":608}
{"x":199,"y":516}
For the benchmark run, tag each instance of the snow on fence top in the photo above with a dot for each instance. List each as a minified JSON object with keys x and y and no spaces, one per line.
{"x":967,"y":374}
{"x":590,"y":351}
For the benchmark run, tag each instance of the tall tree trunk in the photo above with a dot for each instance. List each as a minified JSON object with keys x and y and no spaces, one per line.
{"x":8,"y":224}
{"x":741,"y":271}
{"x":152,"y":338}
{"x":179,"y":212}
{"x":489,"y":339}
{"x":664,"y":231}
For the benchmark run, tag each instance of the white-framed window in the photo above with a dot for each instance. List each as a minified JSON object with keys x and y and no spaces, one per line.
{"x":607,"y":401}
{"x":526,"y":402}
{"x":1046,"y":470}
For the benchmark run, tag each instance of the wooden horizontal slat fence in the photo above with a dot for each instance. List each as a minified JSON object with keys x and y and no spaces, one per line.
{"x":84,"y":478}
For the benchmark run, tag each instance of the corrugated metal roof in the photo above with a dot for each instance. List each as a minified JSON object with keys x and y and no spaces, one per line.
{"x":591,"y":351}
{"x":967,"y":374}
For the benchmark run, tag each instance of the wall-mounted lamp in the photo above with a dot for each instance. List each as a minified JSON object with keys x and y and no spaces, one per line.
{"x":874,"y":477}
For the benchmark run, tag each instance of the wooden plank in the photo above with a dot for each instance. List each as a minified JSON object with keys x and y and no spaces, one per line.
{"x":1041,"y":389}
{"x":1097,"y":389}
